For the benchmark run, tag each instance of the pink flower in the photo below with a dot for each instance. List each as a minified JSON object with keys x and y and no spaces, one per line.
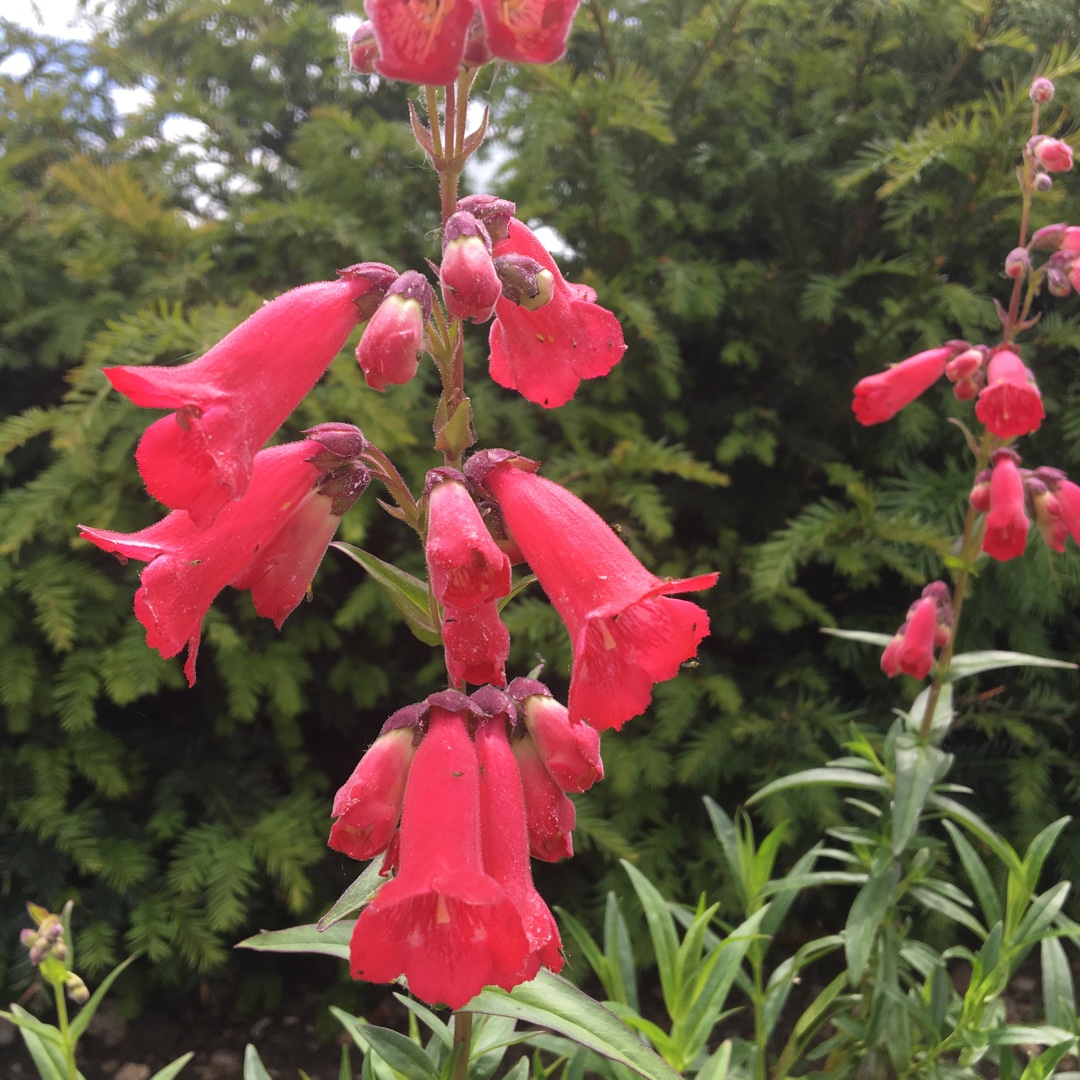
{"x":368,"y":804}
{"x":476,"y":643}
{"x":545,"y":353}
{"x":389,"y":351}
{"x":627,"y":633}
{"x":880,"y":397}
{"x":465,"y":565}
{"x":232,"y":399}
{"x":420,"y":41}
{"x":1007,"y":524}
{"x":442,"y":921}
{"x":528,"y":31}
{"x":188,"y":566}
{"x":1068,"y":496}
{"x":1052,"y":154}
{"x":912,"y":650}
{"x":363,"y":49}
{"x":505,"y":847}
{"x":1010,"y":403}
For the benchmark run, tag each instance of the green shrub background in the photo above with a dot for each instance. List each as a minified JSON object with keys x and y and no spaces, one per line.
{"x":776,"y":197}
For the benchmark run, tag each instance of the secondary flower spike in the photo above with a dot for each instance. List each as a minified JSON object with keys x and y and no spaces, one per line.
{"x":188,"y":566}
{"x":232,"y":399}
{"x":626,"y":631}
{"x":442,"y":921}
{"x":880,"y":397}
{"x":545,"y":353}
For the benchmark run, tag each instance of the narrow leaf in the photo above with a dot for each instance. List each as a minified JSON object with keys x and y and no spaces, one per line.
{"x":355,"y":896}
{"x":333,"y":941}
{"x":974,"y":663}
{"x":867,"y":910}
{"x":170,"y":1070}
{"x":1059,"y":999}
{"x":254,"y":1069}
{"x":665,"y":939}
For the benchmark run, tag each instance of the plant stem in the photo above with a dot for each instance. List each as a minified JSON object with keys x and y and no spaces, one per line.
{"x":65,"y":1031}
{"x":463,"y":1023}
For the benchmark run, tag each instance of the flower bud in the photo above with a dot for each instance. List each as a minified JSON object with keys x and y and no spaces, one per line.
{"x":570,"y":752}
{"x":76,"y":989}
{"x":980,"y":493}
{"x":965,"y":365}
{"x":1050,"y":237}
{"x":1053,"y":155}
{"x":1057,"y":281}
{"x":1047,"y":510}
{"x":1017,"y":263}
{"x":1043,"y":182}
{"x":549,"y":814}
{"x":524,"y":280}
{"x":389,"y":351}
{"x":470,"y":285}
{"x":492,"y":212}
{"x":1042,"y":91}
{"x":363,"y":49}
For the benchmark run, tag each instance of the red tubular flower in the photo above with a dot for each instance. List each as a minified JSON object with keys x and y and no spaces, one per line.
{"x":880,"y":397}
{"x":420,"y":41}
{"x":368,"y":805}
{"x":389,"y":351}
{"x":1068,"y":496}
{"x":189,"y":566}
{"x":626,"y":631}
{"x":505,"y":846}
{"x":528,"y":31}
{"x":912,"y":650}
{"x":1010,"y":403}
{"x":477,"y":644}
{"x":465,"y":564}
{"x":442,"y":921}
{"x":570,"y":752}
{"x":232,"y":399}
{"x":549,"y":814}
{"x":544,"y":354}
{"x":1007,"y":524}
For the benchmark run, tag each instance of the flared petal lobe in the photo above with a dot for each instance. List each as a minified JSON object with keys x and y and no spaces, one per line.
{"x":442,"y":921}
{"x":627,"y":633}
{"x":545,"y":353}
{"x":1009,"y":404}
{"x":420,"y":41}
{"x":528,"y":31}
{"x":232,"y":399}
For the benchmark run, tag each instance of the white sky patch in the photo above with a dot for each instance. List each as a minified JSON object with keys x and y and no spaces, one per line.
{"x":60,"y":18}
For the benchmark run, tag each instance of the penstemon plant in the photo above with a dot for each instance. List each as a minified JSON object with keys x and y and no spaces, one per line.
{"x":460,"y":790}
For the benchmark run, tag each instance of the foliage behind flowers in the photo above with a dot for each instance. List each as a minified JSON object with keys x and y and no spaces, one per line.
{"x":757,"y":262}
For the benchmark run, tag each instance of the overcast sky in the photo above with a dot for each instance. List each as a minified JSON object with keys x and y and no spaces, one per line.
{"x":57,"y":17}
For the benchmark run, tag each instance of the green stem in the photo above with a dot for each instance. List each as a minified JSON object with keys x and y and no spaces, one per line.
{"x":969,"y":552}
{"x":65,"y":1031}
{"x":463,"y":1024}
{"x":760,"y":1038}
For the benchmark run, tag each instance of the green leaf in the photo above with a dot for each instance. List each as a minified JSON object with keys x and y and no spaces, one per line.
{"x":934,"y":901}
{"x":398,"y":1051}
{"x":333,"y":941}
{"x":978,"y":875}
{"x":48,"y":1058}
{"x":554,"y":1004}
{"x":174,"y":1067}
{"x":1059,"y":998}
{"x":254,"y":1069}
{"x":867,"y":911}
{"x":407,"y":593}
{"x":829,"y":775}
{"x":918,"y":766}
{"x":717,"y":1064}
{"x":974,"y":663}
{"x":1039,"y":848}
{"x":978,"y":828}
{"x":424,"y":1014}
{"x":1038,"y":1068}
{"x":808,"y":1023}
{"x":355,"y":896}
{"x":867,"y":636}
{"x":943,"y":716}
{"x":1041,"y":914}
{"x":662,"y":930}
{"x":1017,"y":1034}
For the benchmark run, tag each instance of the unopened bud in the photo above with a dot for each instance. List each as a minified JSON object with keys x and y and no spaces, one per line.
{"x":340,"y":442}
{"x":1053,"y":155}
{"x":363,"y":49}
{"x":1043,"y":181}
{"x":964,"y":365}
{"x":389,"y":351}
{"x":76,"y":989}
{"x":494,"y":213}
{"x":1042,"y":91}
{"x":1057,"y":281}
{"x":344,"y":486}
{"x":980,"y":493}
{"x":1050,"y":237}
{"x":1017,"y":263}
{"x":967,"y":389}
